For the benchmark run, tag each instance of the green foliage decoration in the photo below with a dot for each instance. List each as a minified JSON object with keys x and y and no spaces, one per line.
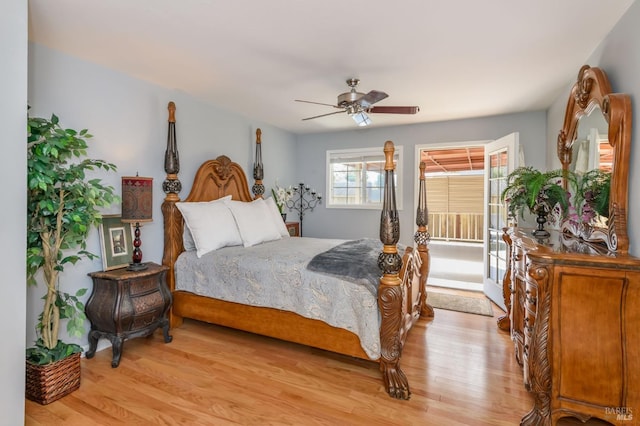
{"x":592,"y":194}
{"x":62,"y":207}
{"x":530,"y":189}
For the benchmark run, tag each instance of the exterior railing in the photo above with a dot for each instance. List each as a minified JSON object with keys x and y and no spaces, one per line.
{"x":456,"y":226}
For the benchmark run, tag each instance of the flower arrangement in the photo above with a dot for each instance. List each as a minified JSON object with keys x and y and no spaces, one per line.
{"x":281,"y":196}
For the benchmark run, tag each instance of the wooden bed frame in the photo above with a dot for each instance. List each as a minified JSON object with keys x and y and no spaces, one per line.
{"x":401,"y":294}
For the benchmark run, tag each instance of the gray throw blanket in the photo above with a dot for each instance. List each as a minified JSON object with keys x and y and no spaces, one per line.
{"x":355,"y":261}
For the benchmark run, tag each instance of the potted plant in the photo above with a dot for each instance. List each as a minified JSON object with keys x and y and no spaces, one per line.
{"x":62,"y":207}
{"x":537,"y":192}
{"x":592,"y":195}
{"x":281,"y":196}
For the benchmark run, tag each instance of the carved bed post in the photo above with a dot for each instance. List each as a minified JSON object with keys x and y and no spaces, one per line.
{"x":390,"y":290}
{"x":258,"y":170}
{"x":171,"y":187}
{"x":422,"y":238}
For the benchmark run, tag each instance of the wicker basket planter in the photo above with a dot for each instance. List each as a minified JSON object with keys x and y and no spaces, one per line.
{"x":48,"y":383}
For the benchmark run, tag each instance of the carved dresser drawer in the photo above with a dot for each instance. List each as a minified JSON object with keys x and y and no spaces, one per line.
{"x":530,"y":295}
{"x":143,"y":285}
{"x":518,"y":299}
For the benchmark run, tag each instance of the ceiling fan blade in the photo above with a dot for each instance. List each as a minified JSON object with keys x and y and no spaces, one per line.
{"x":317,"y":103}
{"x":323,"y":115}
{"x":371,"y":98}
{"x":394,"y":109}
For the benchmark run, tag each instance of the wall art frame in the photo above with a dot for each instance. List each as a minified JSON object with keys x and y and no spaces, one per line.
{"x":116,"y":242}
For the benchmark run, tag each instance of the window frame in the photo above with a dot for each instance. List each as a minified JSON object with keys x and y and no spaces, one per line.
{"x":373,"y":154}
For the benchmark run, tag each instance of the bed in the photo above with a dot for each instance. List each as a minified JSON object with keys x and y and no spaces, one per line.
{"x":376,"y":321}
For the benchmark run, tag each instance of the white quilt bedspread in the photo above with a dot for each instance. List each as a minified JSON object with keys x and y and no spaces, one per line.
{"x":274,"y":275}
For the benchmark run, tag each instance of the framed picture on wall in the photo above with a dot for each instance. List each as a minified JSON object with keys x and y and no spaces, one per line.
{"x":116,"y":242}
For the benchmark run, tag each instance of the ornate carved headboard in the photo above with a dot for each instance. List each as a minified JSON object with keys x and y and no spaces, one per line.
{"x":218,"y":178}
{"x":213,"y":180}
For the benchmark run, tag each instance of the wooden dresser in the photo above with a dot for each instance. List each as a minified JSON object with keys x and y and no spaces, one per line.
{"x":575,"y":322}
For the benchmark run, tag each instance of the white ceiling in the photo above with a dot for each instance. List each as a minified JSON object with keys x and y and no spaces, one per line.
{"x":454,"y":58}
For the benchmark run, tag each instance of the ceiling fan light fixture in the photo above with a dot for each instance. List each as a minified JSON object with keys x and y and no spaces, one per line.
{"x":359,"y":105}
{"x":361,"y":118}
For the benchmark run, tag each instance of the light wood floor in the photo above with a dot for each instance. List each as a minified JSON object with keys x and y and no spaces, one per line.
{"x":460,"y":367}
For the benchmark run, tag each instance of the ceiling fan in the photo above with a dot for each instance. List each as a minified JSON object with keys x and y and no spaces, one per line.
{"x":359,"y":105}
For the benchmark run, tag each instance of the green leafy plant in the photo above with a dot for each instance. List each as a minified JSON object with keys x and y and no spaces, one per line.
{"x":62,"y":206}
{"x":592,"y":194}
{"x":530,"y":189}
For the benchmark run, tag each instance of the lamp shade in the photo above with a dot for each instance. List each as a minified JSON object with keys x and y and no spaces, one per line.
{"x":137,"y":199}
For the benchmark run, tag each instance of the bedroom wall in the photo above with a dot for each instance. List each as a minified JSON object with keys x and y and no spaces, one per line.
{"x":13,"y":86}
{"x":128,"y":118}
{"x":358,"y":223}
{"x":619,"y":56}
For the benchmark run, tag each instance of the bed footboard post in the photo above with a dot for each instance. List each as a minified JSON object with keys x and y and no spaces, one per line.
{"x":173,"y":223}
{"x":390,"y":296}
{"x":422,"y":238}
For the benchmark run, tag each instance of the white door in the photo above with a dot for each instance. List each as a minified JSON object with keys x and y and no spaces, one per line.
{"x":501,"y":157}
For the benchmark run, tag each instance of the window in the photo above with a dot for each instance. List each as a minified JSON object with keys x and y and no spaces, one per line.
{"x":355,"y":178}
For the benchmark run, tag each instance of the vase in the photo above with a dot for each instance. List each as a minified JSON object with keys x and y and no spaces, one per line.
{"x":540,"y":232}
{"x":284,"y":216}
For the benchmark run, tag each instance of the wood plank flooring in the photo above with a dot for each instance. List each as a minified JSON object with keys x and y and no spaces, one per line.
{"x":461,"y":370}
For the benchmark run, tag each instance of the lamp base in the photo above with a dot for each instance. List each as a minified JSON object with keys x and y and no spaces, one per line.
{"x":137,"y":267}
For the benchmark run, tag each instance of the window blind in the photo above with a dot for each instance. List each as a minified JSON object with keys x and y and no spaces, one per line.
{"x":455,"y":194}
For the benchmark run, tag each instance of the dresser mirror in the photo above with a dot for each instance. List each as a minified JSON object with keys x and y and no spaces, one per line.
{"x":591,"y":147}
{"x":596,"y":134}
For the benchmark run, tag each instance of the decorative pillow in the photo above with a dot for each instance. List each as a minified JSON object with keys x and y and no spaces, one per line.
{"x":187,"y":238}
{"x":254,"y":221}
{"x":277,"y":217}
{"x":211,"y":225}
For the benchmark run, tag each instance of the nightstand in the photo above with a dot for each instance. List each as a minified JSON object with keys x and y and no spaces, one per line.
{"x":293,"y":228}
{"x":126,"y":304}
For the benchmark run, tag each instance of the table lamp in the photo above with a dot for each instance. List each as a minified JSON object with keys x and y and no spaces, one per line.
{"x":137,"y":206}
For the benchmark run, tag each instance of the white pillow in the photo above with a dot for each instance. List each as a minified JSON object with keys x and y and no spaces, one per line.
{"x":254,"y":221}
{"x":211,"y":224}
{"x":277,"y":217}
{"x":187,"y":238}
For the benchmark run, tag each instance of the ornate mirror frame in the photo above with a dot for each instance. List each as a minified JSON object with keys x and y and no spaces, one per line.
{"x":590,"y":91}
